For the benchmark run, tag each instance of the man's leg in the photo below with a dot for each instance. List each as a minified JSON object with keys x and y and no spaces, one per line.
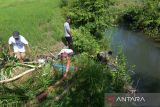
{"x":70,"y":42}
{"x":66,"y":41}
{"x":22,"y":56}
{"x":18,"y":56}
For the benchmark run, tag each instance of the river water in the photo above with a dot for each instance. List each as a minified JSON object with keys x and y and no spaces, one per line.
{"x":142,"y":53}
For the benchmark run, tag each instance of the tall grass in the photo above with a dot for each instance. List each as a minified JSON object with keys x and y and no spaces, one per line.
{"x":40,"y":21}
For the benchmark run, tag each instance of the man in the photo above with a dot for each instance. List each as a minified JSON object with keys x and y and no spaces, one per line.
{"x":65,"y":52}
{"x":67,"y":32}
{"x":18,"y":42}
{"x":104,"y":57}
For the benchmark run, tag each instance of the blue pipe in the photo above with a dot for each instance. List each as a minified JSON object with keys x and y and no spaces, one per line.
{"x":62,"y":67}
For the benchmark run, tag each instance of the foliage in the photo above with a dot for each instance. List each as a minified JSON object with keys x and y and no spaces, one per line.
{"x":31,"y":87}
{"x":84,"y":42}
{"x":91,"y":14}
{"x":105,"y":42}
{"x":22,"y":90}
{"x":89,"y":84}
{"x":41,"y":80}
{"x":92,"y":81}
{"x":121,"y":76}
{"x":146,"y":19}
{"x":7,"y":63}
{"x":64,"y":3}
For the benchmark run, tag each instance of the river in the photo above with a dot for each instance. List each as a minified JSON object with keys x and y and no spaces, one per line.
{"x":142,"y":53}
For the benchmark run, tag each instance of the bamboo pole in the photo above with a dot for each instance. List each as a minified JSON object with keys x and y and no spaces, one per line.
{"x":27,"y":65}
{"x":33,"y":62}
{"x":19,"y":76}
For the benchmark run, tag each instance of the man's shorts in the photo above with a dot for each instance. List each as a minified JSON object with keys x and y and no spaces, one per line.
{"x":69,"y":40}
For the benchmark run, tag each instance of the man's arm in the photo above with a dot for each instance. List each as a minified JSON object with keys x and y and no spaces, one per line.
{"x":26,"y":44}
{"x":69,"y":32}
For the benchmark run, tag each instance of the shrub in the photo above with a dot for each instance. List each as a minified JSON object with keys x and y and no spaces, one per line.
{"x":84,"y":42}
{"x":91,"y":14}
{"x":89,"y":84}
{"x":63,"y":3}
{"x":145,"y":19}
{"x":121,"y":76}
{"x":92,"y":80}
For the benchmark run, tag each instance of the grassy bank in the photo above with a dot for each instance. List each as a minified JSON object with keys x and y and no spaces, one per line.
{"x":40,"y":21}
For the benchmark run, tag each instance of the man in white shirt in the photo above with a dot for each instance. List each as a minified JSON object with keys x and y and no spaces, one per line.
{"x":18,"y":42}
{"x":67,"y":32}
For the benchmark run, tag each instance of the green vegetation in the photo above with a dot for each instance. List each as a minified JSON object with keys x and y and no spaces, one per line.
{"x":90,"y":82}
{"x":93,"y":79}
{"x":90,"y":14}
{"x":146,"y":18}
{"x":84,"y":42}
{"x":24,"y":91}
{"x":90,"y":19}
{"x":40,"y":21}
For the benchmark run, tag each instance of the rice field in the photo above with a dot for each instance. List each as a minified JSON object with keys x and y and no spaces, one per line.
{"x":40,"y":21}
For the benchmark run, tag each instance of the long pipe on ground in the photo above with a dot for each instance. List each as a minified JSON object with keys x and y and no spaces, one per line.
{"x":19,"y":76}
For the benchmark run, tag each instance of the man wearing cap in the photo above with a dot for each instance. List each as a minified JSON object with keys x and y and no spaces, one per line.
{"x":18,"y":42}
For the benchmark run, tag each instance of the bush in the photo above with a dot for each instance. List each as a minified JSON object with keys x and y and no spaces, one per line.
{"x":145,"y":19}
{"x":64,"y":3}
{"x":121,"y":77}
{"x":84,"y":42}
{"x":92,"y":80}
{"x":91,"y":14}
{"x":89,"y":84}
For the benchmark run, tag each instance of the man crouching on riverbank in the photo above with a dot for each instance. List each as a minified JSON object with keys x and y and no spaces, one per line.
{"x":18,"y":42}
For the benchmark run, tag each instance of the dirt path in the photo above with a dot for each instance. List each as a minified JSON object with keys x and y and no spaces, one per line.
{"x":56,"y":48}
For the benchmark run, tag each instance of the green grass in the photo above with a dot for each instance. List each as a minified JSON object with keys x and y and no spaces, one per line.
{"x":40,"y":21}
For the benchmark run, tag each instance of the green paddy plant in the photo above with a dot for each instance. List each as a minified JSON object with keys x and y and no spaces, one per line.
{"x":34,"y":19}
{"x":7,"y":63}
